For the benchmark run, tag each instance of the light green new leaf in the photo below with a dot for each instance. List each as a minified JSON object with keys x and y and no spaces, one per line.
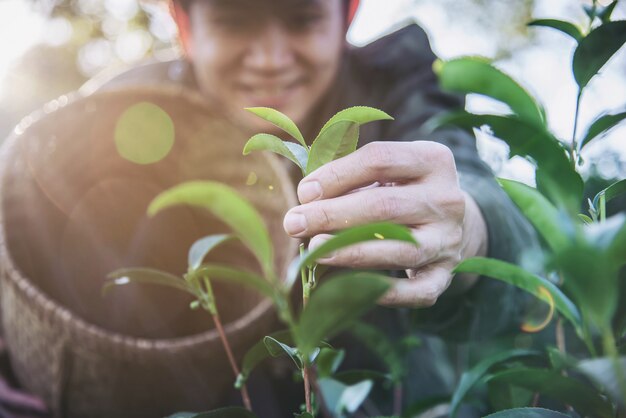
{"x":266,"y":142}
{"x":478,"y":75}
{"x":600,"y":126}
{"x":233,"y":275}
{"x":560,"y":25}
{"x":257,"y":353}
{"x":527,"y":413}
{"x":357,"y":114}
{"x":529,"y":282}
{"x":228,"y":206}
{"x":355,"y":235}
{"x":539,"y":211}
{"x":145,"y":276}
{"x":476,"y":373}
{"x":596,"y":49}
{"x":611,"y":192}
{"x":336,"y":141}
{"x":582,"y":397}
{"x":338,"y":301}
{"x":202,"y":247}
{"x":280,"y":120}
{"x":340,"y":398}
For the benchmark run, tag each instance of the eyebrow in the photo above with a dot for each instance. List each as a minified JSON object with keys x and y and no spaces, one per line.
{"x":237,"y":4}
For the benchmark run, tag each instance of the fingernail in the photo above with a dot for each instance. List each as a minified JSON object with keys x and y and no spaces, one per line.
{"x":309,"y":191}
{"x":294,"y":223}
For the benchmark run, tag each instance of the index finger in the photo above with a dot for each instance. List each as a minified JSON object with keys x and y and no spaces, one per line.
{"x":381,"y":162}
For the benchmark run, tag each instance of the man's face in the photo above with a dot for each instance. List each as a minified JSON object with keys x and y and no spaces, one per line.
{"x":283,"y":54}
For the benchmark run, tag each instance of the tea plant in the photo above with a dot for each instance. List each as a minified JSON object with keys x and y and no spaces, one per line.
{"x":328,"y":310}
{"x":584,"y":252}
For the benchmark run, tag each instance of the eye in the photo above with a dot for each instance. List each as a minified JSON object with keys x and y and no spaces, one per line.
{"x":304,"y":20}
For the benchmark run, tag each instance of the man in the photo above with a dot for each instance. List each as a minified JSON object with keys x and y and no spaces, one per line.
{"x":291,"y":55}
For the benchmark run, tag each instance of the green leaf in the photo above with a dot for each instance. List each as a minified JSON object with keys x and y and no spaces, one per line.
{"x":529,"y":282}
{"x":606,"y":12}
{"x":586,"y":219}
{"x":329,"y":361}
{"x":600,"y":126}
{"x":257,"y":353}
{"x":617,"y":249}
{"x":583,"y":398}
{"x":202,"y":247}
{"x":266,"y":142}
{"x":527,"y":413}
{"x":144,"y":275}
{"x":228,"y":206}
{"x":379,"y":343}
{"x":340,"y":398}
{"x":560,"y":360}
{"x":476,"y":373}
{"x":596,"y":49}
{"x":233,"y":275}
{"x":603,"y":372}
{"x":338,"y":301}
{"x":611,"y":192}
{"x":277,"y":348}
{"x":352,"y":377}
{"x":539,"y":211}
{"x":565,"y":187}
{"x":304,"y":415}
{"x":478,"y":75}
{"x":424,"y":405}
{"x":280,"y":120}
{"x":336,"y":141}
{"x":357,"y":114}
{"x":355,"y":235}
{"x":560,"y":25}
{"x":230,"y":412}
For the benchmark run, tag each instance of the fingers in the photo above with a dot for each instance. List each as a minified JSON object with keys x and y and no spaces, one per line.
{"x":381,"y":162}
{"x":422,"y":290}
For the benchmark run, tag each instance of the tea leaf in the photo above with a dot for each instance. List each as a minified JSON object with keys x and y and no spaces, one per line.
{"x":603,"y":372}
{"x":304,"y":415}
{"x":280,"y":120}
{"x":144,"y":275}
{"x":611,"y":192}
{"x":583,"y":398}
{"x":477,"y":75}
{"x":379,"y":343}
{"x":257,"y":353}
{"x":229,"y":412}
{"x":596,"y":49}
{"x":527,"y":413}
{"x":351,"y":377}
{"x":336,"y":303}
{"x":605,"y":13}
{"x":601,"y":126}
{"x":424,"y":405}
{"x":233,"y":275}
{"x":617,"y":248}
{"x":329,"y":361}
{"x":518,"y":277}
{"x":340,"y":398}
{"x":560,"y":25}
{"x":336,"y":141}
{"x":277,"y":348}
{"x":555,"y":176}
{"x":266,"y":142}
{"x":539,"y":211}
{"x":355,"y":235}
{"x":586,"y":219}
{"x":202,"y":247}
{"x":357,"y":114}
{"x":229,"y":207}
{"x":476,"y":373}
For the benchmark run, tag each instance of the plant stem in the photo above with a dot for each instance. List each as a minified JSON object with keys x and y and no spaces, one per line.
{"x":306,"y":289}
{"x":574,"y":151}
{"x":212,"y":308}
{"x":397,"y":399}
{"x":602,"y":207}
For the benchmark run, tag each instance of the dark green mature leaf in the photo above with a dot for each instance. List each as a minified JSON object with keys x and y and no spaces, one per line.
{"x":583,"y":398}
{"x":519,"y":277}
{"x":280,"y":120}
{"x":528,"y":413}
{"x":230,"y":412}
{"x":277,"y":348}
{"x":560,"y":25}
{"x":336,"y":141}
{"x":233,"y":275}
{"x":328,"y":361}
{"x":478,"y":75}
{"x":476,"y":373}
{"x":596,"y":49}
{"x":566,"y":186}
{"x":340,"y":398}
{"x":603,"y":371}
{"x":145,"y":276}
{"x":202,"y":247}
{"x":600,"y":126}
{"x":257,"y":353}
{"x":335,"y":304}
{"x":266,"y":142}
{"x":379,"y":343}
{"x":539,"y":211}
{"x":227,"y":205}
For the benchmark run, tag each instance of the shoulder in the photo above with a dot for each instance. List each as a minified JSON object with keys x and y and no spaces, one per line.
{"x":177,"y":72}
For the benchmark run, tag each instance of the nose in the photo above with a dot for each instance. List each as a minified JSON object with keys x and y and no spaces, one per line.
{"x":270,"y":49}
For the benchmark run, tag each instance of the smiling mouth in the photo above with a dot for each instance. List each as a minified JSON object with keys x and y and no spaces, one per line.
{"x":270,"y":95}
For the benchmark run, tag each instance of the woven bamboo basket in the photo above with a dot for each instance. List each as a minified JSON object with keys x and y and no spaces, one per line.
{"x":72,"y":210}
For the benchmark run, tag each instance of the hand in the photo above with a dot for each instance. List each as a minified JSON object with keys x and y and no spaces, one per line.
{"x":409,"y":183}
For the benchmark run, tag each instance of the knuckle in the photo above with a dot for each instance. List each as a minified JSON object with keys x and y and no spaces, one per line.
{"x":387,"y":208}
{"x":378,"y":157}
{"x":440,"y":153}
